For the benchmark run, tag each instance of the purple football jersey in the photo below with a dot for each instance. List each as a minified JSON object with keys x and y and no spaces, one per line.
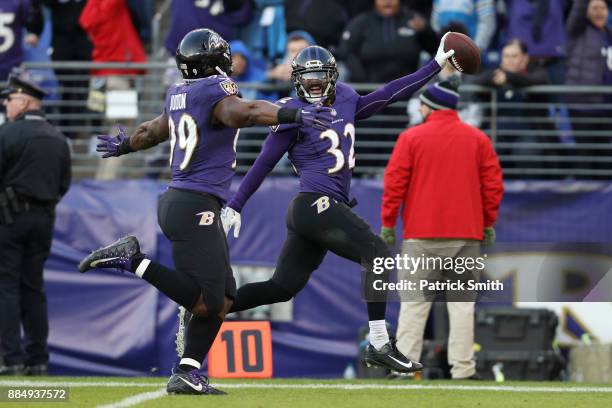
{"x":324,"y":160}
{"x":13,"y":15}
{"x":202,"y":155}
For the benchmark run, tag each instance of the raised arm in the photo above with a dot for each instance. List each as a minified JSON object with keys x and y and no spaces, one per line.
{"x":146,"y":135}
{"x":396,"y":90}
{"x":402,"y":88}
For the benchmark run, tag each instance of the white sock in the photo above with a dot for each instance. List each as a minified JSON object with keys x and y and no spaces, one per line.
{"x":142,"y":267}
{"x":378,"y":333}
{"x":190,"y":362}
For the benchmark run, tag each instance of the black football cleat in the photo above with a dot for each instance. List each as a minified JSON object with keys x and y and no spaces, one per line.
{"x":390,"y":357}
{"x":118,"y":255}
{"x":191,"y":383}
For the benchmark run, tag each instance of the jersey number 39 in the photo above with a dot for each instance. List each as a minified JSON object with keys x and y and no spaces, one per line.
{"x":335,"y":149}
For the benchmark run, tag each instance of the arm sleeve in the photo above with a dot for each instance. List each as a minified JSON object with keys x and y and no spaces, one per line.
{"x":576,"y":20}
{"x":492,"y":186}
{"x":396,"y":180}
{"x":396,"y":90}
{"x":274,"y":148}
{"x":485,"y":28}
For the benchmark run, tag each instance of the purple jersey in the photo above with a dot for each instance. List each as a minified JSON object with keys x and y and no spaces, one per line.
{"x":202,"y":155}
{"x":325,"y":159}
{"x":13,"y":16}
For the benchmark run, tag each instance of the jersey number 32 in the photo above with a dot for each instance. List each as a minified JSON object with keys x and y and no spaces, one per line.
{"x":336,"y":150}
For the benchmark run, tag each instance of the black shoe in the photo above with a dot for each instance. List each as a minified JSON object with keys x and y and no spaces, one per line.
{"x":190,"y":382}
{"x":390,"y":357}
{"x":119,"y":255}
{"x":16,"y":369}
{"x":37,"y":370}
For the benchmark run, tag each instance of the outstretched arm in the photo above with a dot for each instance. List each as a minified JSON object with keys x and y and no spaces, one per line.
{"x":146,"y":135}
{"x":396,"y":90}
{"x":274,"y":148}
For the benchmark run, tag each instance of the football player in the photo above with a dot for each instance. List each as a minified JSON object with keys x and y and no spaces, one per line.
{"x":201,"y":118}
{"x":320,"y":218}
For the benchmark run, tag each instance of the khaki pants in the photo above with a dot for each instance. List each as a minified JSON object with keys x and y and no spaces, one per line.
{"x":413,"y":315}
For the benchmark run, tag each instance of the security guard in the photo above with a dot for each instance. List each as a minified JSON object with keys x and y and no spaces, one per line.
{"x":34,"y":175}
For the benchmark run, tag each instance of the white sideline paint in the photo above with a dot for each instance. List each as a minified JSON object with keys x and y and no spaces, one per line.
{"x":136,"y":399}
{"x":364,"y":386}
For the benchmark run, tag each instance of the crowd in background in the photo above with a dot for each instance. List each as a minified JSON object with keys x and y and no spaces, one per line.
{"x":376,"y":40}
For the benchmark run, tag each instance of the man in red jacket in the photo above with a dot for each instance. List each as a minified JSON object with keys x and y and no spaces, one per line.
{"x":448,"y":178}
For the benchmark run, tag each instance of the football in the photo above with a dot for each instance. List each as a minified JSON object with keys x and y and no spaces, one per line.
{"x":467,"y":55}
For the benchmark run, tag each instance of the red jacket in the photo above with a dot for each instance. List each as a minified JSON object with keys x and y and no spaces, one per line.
{"x":448,"y":177}
{"x":110,"y":28}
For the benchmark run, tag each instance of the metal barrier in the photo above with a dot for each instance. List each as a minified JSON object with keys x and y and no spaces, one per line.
{"x":547,"y":132}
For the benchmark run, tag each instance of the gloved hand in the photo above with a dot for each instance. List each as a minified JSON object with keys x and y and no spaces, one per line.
{"x":388,"y":235}
{"x":317,"y":116}
{"x":230,"y":218}
{"x":489,"y":236}
{"x":441,"y":55}
{"x":113,"y":146}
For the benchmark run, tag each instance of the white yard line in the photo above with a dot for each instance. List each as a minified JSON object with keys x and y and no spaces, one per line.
{"x":458,"y":387}
{"x":136,"y":399}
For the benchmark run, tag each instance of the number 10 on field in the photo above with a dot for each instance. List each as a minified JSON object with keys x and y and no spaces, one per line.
{"x":241,"y":350}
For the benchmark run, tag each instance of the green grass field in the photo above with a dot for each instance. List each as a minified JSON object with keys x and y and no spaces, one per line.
{"x":150,"y":392}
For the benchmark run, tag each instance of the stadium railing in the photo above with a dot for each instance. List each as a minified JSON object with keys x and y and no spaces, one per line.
{"x":549,"y":132}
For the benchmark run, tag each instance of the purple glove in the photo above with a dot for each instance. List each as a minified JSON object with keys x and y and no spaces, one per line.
{"x":113,"y":146}
{"x":316,"y":116}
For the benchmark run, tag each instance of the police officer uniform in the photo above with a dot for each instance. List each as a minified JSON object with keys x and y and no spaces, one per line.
{"x":34,"y":175}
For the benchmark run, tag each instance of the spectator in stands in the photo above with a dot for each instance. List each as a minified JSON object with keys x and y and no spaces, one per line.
{"x":589,"y":50}
{"x":515,"y":72}
{"x":477,"y":15}
{"x":447,"y":177}
{"x":109,"y":25}
{"x":222,"y":16}
{"x":385,"y":43}
{"x":142,"y":15}
{"x":589,"y":46}
{"x":539,"y":24}
{"x":296,"y":42}
{"x":69,"y":42}
{"x":245,"y":68}
{"x":324,"y":19}
{"x":266,"y":35}
{"x":14,"y":17}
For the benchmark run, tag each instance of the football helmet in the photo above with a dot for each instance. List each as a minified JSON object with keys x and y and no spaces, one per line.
{"x":201,"y":52}
{"x":314,"y":74}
